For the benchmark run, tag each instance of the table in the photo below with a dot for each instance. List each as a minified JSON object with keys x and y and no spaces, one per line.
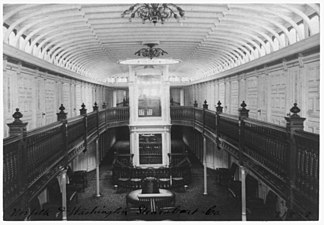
{"x":154,"y":201}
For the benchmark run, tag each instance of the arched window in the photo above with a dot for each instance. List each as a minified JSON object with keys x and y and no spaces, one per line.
{"x":302,"y":29}
{"x":283,"y":39}
{"x":293,"y":35}
{"x":276,"y":44}
{"x":263,"y":52}
{"x":315,"y":25}
{"x":12,"y":38}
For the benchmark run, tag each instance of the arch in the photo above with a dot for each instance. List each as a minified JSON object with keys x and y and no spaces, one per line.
{"x":47,"y":10}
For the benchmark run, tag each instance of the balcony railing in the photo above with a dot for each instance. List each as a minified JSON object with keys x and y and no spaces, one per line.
{"x":29,"y":156}
{"x":286,"y":158}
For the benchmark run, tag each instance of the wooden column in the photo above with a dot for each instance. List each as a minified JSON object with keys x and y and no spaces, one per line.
{"x":243,"y":175}
{"x":181,"y":97}
{"x":219,"y":110}
{"x":83,"y":111}
{"x":63,"y":177}
{"x":97,"y":169}
{"x":205,"y":164}
{"x":115,"y":98}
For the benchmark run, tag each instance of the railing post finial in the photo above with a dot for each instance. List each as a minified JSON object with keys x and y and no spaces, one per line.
{"x":219,"y":108}
{"x":17,"y":127}
{"x":205,"y":105}
{"x":83,"y":110}
{"x":294,"y":121}
{"x":243,"y":112}
{"x":95,"y":107}
{"x":171,"y":101}
{"x":104,"y":105}
{"x":61,"y":116}
{"x":195,"y":103}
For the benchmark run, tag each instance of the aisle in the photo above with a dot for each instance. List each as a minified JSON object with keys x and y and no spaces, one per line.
{"x":191,"y":205}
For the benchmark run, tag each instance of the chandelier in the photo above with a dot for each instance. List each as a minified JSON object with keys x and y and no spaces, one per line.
{"x":150,"y":52}
{"x":154,"y":12}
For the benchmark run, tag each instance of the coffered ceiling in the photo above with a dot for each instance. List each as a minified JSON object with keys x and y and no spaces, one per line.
{"x":92,"y":38}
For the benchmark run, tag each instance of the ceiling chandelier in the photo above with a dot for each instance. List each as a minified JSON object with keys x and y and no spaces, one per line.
{"x":150,"y":52}
{"x":154,"y":12}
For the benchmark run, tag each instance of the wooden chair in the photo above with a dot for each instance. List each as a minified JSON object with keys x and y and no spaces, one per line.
{"x":123,"y":180}
{"x":225,"y":175}
{"x":136,"y":178}
{"x":163,"y":175}
{"x":177,"y":179}
{"x":77,"y":179}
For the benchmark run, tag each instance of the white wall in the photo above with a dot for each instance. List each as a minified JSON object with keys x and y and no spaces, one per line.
{"x":39,"y":94}
{"x":269,"y":92}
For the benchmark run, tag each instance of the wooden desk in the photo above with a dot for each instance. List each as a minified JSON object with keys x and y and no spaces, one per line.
{"x":154,"y":202}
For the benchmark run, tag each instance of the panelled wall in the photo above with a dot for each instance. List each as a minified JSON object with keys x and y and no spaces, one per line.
{"x":269,"y":91}
{"x":38,"y":94}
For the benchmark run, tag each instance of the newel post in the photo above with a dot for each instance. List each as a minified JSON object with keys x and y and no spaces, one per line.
{"x":95,"y":107}
{"x":83,"y":111}
{"x":243,"y":114}
{"x":294,"y":123}
{"x":17,"y":127}
{"x":219,"y":110}
{"x":205,"y":105}
{"x":61,"y":116}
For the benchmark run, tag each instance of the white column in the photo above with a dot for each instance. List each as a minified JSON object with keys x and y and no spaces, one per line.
{"x":205,"y":165}
{"x":181,"y":97}
{"x":97,"y":169}
{"x":114,"y":98}
{"x":63,"y":189}
{"x":243,"y":191}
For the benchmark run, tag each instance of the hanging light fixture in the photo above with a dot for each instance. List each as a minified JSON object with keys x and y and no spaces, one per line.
{"x":154,"y":12}
{"x":150,"y":52}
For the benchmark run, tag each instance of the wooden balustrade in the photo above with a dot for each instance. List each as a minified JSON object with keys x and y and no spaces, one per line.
{"x":42,"y":148}
{"x":228,"y":127}
{"x":307,"y":163}
{"x":30,"y":155}
{"x":288,"y":154}
{"x":102,"y":117}
{"x":13,"y":168}
{"x":183,"y":113}
{"x":268,"y":145}
{"x":199,"y":116}
{"x":210,"y":120}
{"x":92,"y":122}
{"x":75,"y":129}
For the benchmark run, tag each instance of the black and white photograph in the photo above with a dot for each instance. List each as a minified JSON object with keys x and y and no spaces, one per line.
{"x":181,"y":111}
